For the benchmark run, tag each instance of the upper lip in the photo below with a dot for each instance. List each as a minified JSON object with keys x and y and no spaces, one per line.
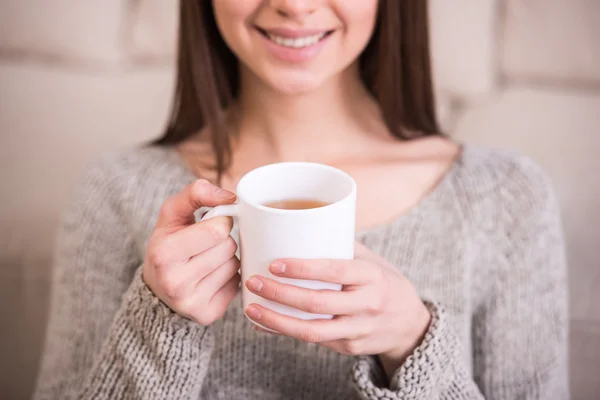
{"x":293,"y":33}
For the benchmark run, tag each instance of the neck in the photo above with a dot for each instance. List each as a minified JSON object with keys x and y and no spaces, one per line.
{"x":326,"y":124}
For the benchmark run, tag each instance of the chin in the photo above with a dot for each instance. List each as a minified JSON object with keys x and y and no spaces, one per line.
{"x":294,"y":83}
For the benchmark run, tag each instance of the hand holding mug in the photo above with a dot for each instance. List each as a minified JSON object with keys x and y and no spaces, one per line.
{"x":378,"y":310}
{"x":292,"y":210}
{"x":191,"y":266}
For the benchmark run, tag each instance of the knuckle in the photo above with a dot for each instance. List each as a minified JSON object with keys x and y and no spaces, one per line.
{"x":200,"y":186}
{"x":168,"y":283}
{"x":304,"y":268}
{"x":311,"y":336}
{"x":162,"y":252}
{"x":375,"y":303}
{"x":319,"y":305}
{"x":170,"y":287}
{"x":217,"y":232}
{"x":157,"y":257}
{"x":199,"y":190}
{"x":170,"y":291}
{"x":232,"y":266}
{"x":333,"y":269}
{"x":231,"y":246}
{"x":275,"y":293}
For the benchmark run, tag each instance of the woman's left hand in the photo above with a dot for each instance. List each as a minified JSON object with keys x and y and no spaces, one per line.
{"x":377,"y":312}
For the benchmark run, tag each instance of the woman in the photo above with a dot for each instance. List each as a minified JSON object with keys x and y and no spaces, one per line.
{"x":457,"y":290}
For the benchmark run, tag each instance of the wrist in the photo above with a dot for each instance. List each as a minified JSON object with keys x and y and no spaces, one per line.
{"x":394,"y":358}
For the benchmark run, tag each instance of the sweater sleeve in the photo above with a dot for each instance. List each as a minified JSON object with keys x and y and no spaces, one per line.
{"x":519,"y":329}
{"x":434,"y":370}
{"x":108,"y":336}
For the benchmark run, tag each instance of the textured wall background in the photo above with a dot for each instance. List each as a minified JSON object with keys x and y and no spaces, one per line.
{"x":78,"y":78}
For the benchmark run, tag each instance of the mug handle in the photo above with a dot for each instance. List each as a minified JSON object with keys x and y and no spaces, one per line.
{"x":229,"y":210}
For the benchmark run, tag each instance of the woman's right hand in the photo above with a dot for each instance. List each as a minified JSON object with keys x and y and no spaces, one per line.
{"x":191,"y":266}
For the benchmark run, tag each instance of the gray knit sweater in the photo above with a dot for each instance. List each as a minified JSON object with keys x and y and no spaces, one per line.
{"x":485,"y":249}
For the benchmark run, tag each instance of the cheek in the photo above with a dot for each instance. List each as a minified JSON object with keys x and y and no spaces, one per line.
{"x":232,"y":17}
{"x":349,"y":10}
{"x":359,"y":18}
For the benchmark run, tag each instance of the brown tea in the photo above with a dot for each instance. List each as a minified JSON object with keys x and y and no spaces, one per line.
{"x":296,"y":204}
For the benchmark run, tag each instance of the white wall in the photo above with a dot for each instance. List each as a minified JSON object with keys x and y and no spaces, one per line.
{"x":78,"y":78}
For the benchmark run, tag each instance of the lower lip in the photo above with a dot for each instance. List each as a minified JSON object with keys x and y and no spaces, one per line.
{"x":293,"y":55}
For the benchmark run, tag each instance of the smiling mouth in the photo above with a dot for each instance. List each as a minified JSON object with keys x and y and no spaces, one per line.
{"x":295,"y":42}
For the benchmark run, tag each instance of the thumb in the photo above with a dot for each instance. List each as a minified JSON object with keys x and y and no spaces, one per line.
{"x":179,"y":209}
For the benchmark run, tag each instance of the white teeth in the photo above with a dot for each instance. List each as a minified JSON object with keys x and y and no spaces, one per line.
{"x":296,"y":43}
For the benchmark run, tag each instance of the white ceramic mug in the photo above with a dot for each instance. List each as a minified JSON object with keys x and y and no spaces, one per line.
{"x":267,"y":234}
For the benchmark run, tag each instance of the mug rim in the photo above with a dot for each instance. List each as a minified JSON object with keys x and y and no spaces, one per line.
{"x":271,"y":210}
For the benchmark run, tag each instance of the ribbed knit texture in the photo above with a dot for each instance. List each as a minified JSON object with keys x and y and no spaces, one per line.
{"x":484,"y":249}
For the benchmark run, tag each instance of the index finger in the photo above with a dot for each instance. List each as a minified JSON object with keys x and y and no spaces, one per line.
{"x":178,"y":210}
{"x":344,"y":272}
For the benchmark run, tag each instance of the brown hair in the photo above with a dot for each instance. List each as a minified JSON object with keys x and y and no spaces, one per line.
{"x":395,"y":67}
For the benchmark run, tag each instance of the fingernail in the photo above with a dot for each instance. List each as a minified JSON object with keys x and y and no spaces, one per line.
{"x":253,"y":312}
{"x":277,"y":267}
{"x":223,"y":194}
{"x":254,"y":284}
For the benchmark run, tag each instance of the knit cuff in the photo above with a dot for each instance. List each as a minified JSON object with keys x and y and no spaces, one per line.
{"x":423,"y":371}
{"x":151,"y":352}
{"x":148,"y":312}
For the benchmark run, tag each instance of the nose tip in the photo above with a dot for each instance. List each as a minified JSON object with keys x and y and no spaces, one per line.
{"x":295,"y":8}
